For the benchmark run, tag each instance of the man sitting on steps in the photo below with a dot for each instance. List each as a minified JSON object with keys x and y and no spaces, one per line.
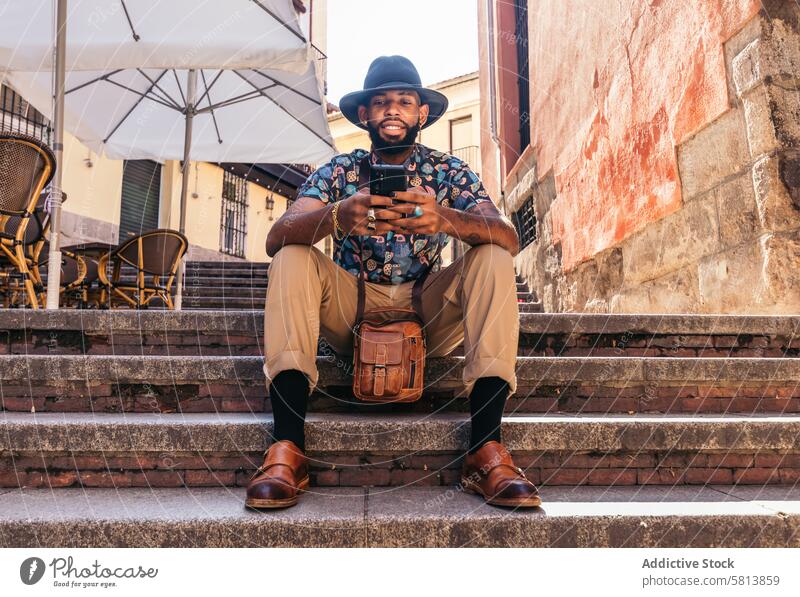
{"x":473,"y":300}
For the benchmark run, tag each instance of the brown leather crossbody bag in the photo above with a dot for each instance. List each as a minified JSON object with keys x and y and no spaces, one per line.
{"x":389,"y":343}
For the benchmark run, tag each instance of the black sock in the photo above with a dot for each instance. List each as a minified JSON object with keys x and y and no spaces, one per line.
{"x":486,"y":403}
{"x":288,"y":394}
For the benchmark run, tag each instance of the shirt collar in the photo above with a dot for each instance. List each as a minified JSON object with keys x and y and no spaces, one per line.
{"x":414,"y":157}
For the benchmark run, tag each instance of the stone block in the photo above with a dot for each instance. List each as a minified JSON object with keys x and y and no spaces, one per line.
{"x":673,"y":242}
{"x":782,"y":269}
{"x":715,"y":153}
{"x":675,"y":292}
{"x":736,"y":206}
{"x":778,"y":203}
{"x":772,"y":116}
{"x":731,"y":281}
{"x":752,"y":31}
{"x":775,"y":53}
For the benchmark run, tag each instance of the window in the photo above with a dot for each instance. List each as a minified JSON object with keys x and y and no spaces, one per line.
{"x":141,"y":197}
{"x":525,"y":222}
{"x":460,"y":133}
{"x":18,"y":116}
{"x":461,"y":142}
{"x":523,"y":78}
{"x":233,"y":220}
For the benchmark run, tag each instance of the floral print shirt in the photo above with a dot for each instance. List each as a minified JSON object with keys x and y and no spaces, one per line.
{"x":396,"y":258}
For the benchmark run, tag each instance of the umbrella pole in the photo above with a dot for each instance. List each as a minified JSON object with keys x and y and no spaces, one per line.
{"x":191,"y":91}
{"x":54,"y":257}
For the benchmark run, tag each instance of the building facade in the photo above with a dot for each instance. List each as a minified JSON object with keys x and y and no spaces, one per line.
{"x":648,"y":152}
{"x":458,"y":132}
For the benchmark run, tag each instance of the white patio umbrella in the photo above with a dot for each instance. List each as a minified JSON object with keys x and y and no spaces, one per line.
{"x":112,"y":34}
{"x":253,"y":115}
{"x":107,"y":35}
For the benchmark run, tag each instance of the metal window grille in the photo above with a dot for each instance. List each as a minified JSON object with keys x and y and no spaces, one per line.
{"x":525,"y":222}
{"x":18,"y":116}
{"x":523,"y":78}
{"x":233,"y":219}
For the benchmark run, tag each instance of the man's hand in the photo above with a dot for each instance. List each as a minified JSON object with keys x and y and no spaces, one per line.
{"x":352,"y":214}
{"x":429,"y":222}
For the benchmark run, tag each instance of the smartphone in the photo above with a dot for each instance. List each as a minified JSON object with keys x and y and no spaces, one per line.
{"x":387,"y":178}
{"x":384,"y":179}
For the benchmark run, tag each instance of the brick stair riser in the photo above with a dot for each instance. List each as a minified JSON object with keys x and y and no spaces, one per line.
{"x":248,"y":396}
{"x":553,"y":468}
{"x":236,"y":384}
{"x":235,"y":339}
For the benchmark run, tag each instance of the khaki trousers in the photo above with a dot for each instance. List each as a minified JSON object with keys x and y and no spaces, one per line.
{"x":474,"y":299}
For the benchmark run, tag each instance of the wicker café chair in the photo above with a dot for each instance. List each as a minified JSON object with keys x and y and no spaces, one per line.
{"x":73,"y":272}
{"x":36,"y":237}
{"x":26,"y":167}
{"x":156,"y":254}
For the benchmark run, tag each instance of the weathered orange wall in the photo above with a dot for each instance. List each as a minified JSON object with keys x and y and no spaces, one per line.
{"x":615,"y":86}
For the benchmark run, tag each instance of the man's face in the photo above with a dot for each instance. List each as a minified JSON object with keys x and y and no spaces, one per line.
{"x":393,"y":119}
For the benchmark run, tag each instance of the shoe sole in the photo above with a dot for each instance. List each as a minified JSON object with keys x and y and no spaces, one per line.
{"x":268,"y":503}
{"x":529,"y":502}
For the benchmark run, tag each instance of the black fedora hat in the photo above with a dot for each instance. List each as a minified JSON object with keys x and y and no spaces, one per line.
{"x":392,"y":72}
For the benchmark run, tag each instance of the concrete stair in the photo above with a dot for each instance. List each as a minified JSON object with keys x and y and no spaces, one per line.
{"x":204,"y":449}
{"x":710,"y":516}
{"x":140,"y":428}
{"x":243,"y":286}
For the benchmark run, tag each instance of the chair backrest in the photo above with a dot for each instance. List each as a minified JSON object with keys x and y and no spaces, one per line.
{"x":161,"y":250}
{"x":26,"y":166}
{"x":70,"y":269}
{"x":37,"y":230}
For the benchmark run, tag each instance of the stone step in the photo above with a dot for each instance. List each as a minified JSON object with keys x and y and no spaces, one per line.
{"x":154,"y":332}
{"x":98,"y":383}
{"x":531,"y":307}
{"x":254,"y":274}
{"x":224,"y":281}
{"x":644,"y":517}
{"x":173,"y":450}
{"x":228,"y":265}
{"x":255,"y":291}
{"x":223,"y":303}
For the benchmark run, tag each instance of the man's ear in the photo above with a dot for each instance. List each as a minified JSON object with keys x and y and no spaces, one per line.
{"x":424,"y":109}
{"x":362,"y":115}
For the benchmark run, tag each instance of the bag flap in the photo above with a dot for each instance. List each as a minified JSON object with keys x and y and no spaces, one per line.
{"x":384,"y":348}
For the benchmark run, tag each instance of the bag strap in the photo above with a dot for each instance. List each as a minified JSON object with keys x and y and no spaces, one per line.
{"x":416,"y":291}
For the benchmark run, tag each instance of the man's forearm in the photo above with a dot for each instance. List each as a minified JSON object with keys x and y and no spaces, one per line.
{"x":478,"y":229}
{"x":300,"y":228}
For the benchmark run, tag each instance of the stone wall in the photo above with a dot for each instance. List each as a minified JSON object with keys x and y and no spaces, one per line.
{"x":733,"y":243}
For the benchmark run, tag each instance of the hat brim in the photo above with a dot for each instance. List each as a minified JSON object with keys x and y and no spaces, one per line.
{"x":436,"y":101}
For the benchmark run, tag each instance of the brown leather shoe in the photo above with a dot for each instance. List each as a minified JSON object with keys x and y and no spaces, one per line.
{"x":277,"y":482}
{"x":490,"y":472}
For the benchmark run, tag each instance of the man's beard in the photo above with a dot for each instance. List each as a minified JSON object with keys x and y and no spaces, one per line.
{"x":392,"y":147}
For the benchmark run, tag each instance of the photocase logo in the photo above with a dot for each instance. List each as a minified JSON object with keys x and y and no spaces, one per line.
{"x":31,"y":570}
